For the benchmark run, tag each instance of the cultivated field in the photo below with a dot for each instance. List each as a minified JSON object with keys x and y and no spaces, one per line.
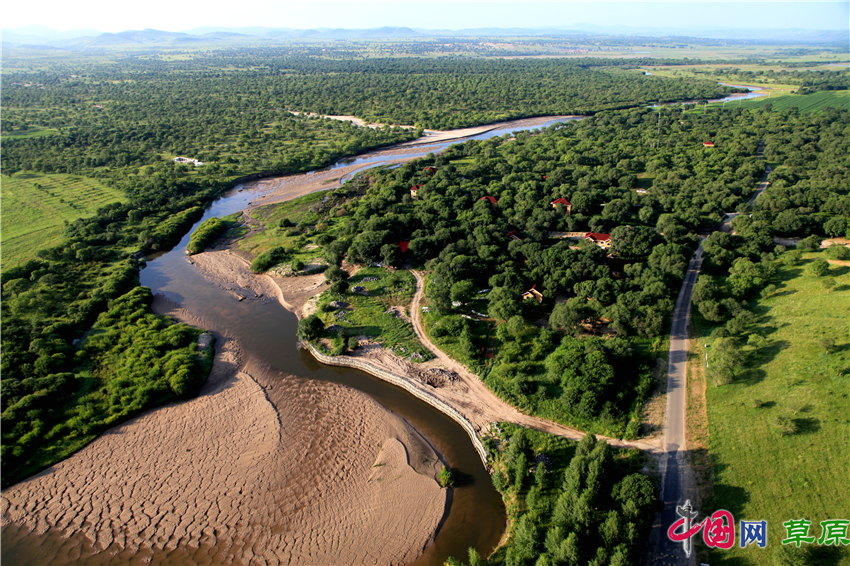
{"x":804,"y":102}
{"x":35,"y":207}
{"x":759,"y":473}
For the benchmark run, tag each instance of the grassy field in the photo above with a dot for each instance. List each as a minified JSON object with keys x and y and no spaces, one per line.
{"x":370,"y":313}
{"x":804,"y":102}
{"x":35,"y":207}
{"x":31,"y":132}
{"x":758,"y":473}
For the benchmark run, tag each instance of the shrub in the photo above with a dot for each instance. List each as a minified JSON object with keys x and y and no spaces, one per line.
{"x":353,"y":343}
{"x":837,"y":251}
{"x":205,"y":234}
{"x":268,"y":259}
{"x":785,"y":426}
{"x":818,"y":268}
{"x":310,"y":328}
{"x":297,"y":265}
{"x":446,"y":477}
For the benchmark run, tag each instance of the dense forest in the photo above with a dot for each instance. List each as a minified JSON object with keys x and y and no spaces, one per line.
{"x":568,"y":503}
{"x":483,"y":224}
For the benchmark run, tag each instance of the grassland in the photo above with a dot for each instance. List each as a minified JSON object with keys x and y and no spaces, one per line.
{"x":31,"y":132}
{"x":381,"y":313}
{"x":803,"y":102}
{"x":35,"y":207}
{"x":758,"y":473}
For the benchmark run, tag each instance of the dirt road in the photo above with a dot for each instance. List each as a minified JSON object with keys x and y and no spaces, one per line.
{"x":485,"y":406}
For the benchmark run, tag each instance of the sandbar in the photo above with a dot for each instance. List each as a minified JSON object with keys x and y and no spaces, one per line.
{"x":260,"y":468}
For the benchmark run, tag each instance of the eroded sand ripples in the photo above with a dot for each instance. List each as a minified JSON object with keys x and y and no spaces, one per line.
{"x":301,"y":476}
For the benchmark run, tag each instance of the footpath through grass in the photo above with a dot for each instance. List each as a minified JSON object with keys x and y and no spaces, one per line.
{"x":379,"y":310}
{"x":35,"y":207}
{"x":798,"y":377}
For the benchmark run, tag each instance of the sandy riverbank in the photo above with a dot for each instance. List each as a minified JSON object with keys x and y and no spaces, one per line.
{"x":260,"y":468}
{"x":444,"y":378}
{"x":279,"y":189}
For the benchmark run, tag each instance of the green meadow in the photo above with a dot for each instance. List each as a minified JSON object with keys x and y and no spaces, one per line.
{"x":35,"y":207}
{"x":803,"y":102}
{"x":381,"y":312}
{"x":780,"y":432}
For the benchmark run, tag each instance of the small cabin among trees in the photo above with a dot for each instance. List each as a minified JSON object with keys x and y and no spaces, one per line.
{"x":533,"y":293}
{"x":708,"y":144}
{"x":563,"y":202}
{"x":492,"y":201}
{"x":601,"y":240}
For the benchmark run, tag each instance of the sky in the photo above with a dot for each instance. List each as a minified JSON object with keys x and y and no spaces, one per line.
{"x":111,"y":16}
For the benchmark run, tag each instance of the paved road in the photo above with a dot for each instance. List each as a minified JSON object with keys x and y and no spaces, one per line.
{"x":673,"y":464}
{"x":675,"y":487}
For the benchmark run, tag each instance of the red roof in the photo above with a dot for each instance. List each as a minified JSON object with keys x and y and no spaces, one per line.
{"x":596,"y":237}
{"x":491,"y":199}
{"x":708,"y":143}
{"x":511,"y":233}
{"x":404,"y":245}
{"x":430,"y":169}
{"x":563,"y":201}
{"x":415,"y":187}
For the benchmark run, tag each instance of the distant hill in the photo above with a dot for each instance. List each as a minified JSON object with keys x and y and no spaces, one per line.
{"x":88,"y":38}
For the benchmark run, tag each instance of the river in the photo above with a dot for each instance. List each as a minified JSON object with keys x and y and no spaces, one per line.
{"x":476,"y":516}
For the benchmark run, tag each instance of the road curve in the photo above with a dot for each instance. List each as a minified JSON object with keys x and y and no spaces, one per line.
{"x":486,"y":406}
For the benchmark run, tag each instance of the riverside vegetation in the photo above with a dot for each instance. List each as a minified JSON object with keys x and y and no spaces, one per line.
{"x":561,"y":371}
{"x":119,"y":124}
{"x":568,"y":502}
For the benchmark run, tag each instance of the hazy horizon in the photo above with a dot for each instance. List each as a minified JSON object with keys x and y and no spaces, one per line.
{"x":160,"y":15}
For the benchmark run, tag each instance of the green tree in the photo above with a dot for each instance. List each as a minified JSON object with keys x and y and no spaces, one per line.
{"x":818,"y":268}
{"x":339,"y":287}
{"x":391,"y":254}
{"x":462,"y":291}
{"x":310,"y":327}
{"x":569,"y":315}
{"x":633,"y":241}
{"x":335,"y":273}
{"x":503,"y":303}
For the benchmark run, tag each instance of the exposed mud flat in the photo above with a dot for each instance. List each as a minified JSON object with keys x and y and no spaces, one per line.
{"x":260,"y":468}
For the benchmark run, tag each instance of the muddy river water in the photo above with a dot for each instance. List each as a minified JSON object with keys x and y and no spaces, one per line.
{"x":266,"y":331}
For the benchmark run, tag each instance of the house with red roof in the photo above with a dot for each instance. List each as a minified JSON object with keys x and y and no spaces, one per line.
{"x":430,"y":170}
{"x":512,"y":235}
{"x":708,"y":144}
{"x":404,"y":245}
{"x":414,"y":190}
{"x":563,"y":202}
{"x":533,"y":293}
{"x":601,"y":240}
{"x":491,"y":199}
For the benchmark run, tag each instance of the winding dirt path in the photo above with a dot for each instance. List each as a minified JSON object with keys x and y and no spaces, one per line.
{"x":484,"y":405}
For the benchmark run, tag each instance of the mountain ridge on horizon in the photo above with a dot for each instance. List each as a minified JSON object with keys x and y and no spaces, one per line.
{"x":84,"y":38}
